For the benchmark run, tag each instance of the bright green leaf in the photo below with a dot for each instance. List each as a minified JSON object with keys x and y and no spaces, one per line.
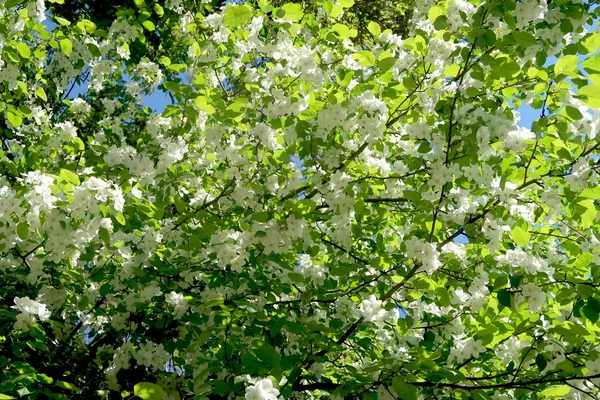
{"x":237,"y":15}
{"x":505,"y":67}
{"x":590,"y":96}
{"x":592,"y":64}
{"x":374,"y":28}
{"x":520,"y":236}
{"x":62,"y":21}
{"x":591,"y":43}
{"x":120,"y":218}
{"x":14,"y":116}
{"x":23,"y":50}
{"x":566,"y":65}
{"x":434,"y":12}
{"x":67,"y":385}
{"x":365,"y":58}
{"x":39,"y":91}
{"x":292,"y":12}
{"x":555,"y":392}
{"x":148,"y":391}
{"x":70,"y":177}
{"x":66,"y":46}
{"x":148,"y":25}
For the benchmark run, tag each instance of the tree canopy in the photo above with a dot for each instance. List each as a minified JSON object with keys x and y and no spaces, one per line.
{"x":340,"y":202}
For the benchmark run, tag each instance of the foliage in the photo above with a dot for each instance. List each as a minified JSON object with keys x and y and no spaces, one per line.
{"x":314,"y":216}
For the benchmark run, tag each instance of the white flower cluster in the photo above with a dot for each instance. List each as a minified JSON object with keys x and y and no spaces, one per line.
{"x":40,"y":196}
{"x":30,"y":309}
{"x":530,"y":11}
{"x":518,"y":258}
{"x":509,"y":350}
{"x":262,"y":390}
{"x":423,"y":252}
{"x":372,"y":311}
{"x":178,"y":301}
{"x":515,"y":140}
{"x":466,"y":347}
{"x":101,"y":191}
{"x":455,"y":8}
{"x":121,"y":360}
{"x":151,"y":355}
{"x":315,"y":273}
{"x":536,"y":297}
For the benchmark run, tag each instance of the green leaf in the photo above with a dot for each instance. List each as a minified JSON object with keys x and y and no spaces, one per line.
{"x":62,"y":21}
{"x":39,"y":91}
{"x":443,"y":296}
{"x":346,"y":3}
{"x":343,"y":31}
{"x":6,"y":397}
{"x":505,"y":298}
{"x":592,"y":64}
{"x":365,"y":58}
{"x":202,"y":338}
{"x":66,"y":46}
{"x":104,"y":235}
{"x":555,"y":392}
{"x":505,"y":67}
{"x":572,"y":113}
{"x":120,"y":218}
{"x":67,"y":385}
{"x":515,"y":280}
{"x":203,"y":103}
{"x":148,"y":391}
{"x":237,"y":15}
{"x":587,"y":211}
{"x":520,"y":236}
{"x":292,"y":12}
{"x":590,"y":96}
{"x":148,"y":25}
{"x":70,"y":177}
{"x":387,"y":63}
{"x":305,"y":206}
{"x":14,"y":116}
{"x":567,"y":65}
{"x":541,"y":362}
{"x":404,"y":390}
{"x":23,"y":230}
{"x":260,"y":216}
{"x":434,"y":12}
{"x":78,"y":144}
{"x":524,"y":39}
{"x":164,"y":60}
{"x":180,"y":205}
{"x":87,"y":26}
{"x":307,"y":114}
{"x":268,"y":355}
{"x":374,"y":29}
{"x":590,"y":313}
{"x":590,"y":43}
{"x":159,"y":10}
{"x":23,"y":50}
